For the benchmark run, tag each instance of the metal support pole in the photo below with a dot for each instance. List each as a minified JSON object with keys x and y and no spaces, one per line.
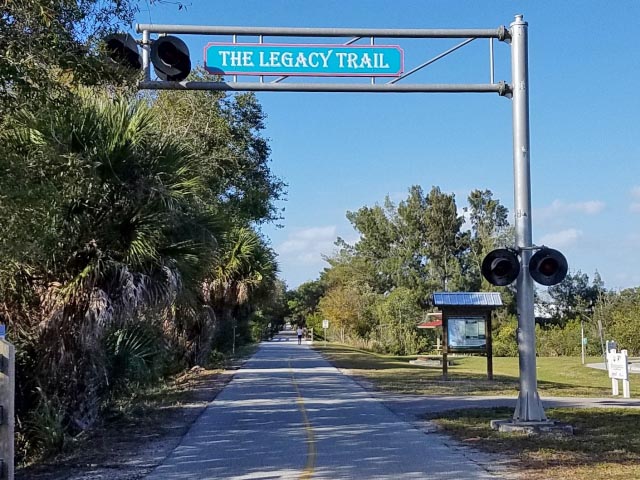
{"x":433,"y":60}
{"x":373,"y":42}
{"x":529,"y":407}
{"x":500,"y":33}
{"x":235,"y":40}
{"x":233,"y":347}
{"x":261,"y":41}
{"x":499,"y":88}
{"x":146,"y":48}
{"x":582,"y":346}
{"x":491,"y":63}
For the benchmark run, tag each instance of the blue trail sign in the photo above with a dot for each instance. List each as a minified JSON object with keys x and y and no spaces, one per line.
{"x":304,"y":60}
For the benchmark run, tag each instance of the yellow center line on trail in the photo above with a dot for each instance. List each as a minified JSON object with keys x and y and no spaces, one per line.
{"x":311,"y":440}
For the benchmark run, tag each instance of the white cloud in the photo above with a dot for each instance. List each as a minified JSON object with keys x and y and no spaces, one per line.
{"x":591,"y":207}
{"x":635,"y":192}
{"x":397,"y":197}
{"x":306,"y":246}
{"x":563,"y":238}
{"x":466,"y":224}
{"x":559,"y":208}
{"x":635,"y":207}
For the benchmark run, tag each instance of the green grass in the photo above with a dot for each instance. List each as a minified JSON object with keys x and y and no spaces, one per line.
{"x":606,"y":443}
{"x":557,"y":376}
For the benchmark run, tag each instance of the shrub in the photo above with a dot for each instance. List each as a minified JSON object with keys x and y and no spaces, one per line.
{"x":505,"y":342}
{"x":134,"y":356}
{"x":44,"y":431}
{"x":558,"y":341}
{"x":217,"y":360}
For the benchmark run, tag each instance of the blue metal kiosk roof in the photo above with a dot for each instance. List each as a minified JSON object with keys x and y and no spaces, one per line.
{"x":467,"y":299}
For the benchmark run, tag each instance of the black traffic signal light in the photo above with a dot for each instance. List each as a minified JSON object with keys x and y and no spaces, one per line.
{"x":170,"y":58}
{"x":123,"y":50}
{"x":548,"y":266}
{"x":169,"y":55}
{"x":501,"y":267}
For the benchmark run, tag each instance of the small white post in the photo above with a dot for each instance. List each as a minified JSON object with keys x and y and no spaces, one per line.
{"x":325,"y":325}
{"x":233,"y":347}
{"x":582,"y":339}
{"x":625,"y":381}
{"x":625,"y":389}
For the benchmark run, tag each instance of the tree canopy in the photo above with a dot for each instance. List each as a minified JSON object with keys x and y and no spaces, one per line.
{"x":51,"y":47}
{"x":376,"y":291}
{"x":130,"y":222}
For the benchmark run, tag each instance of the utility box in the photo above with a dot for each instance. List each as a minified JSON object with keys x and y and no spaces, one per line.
{"x":466,"y":324}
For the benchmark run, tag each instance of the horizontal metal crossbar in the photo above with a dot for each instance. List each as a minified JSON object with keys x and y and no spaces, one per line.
{"x":501,"y":88}
{"x":501,"y":33}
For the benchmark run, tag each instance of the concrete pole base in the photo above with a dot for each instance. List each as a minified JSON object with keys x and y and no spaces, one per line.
{"x":529,"y":407}
{"x":544,"y":427}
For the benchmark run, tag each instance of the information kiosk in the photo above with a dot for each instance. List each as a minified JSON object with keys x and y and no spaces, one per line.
{"x":466,"y":324}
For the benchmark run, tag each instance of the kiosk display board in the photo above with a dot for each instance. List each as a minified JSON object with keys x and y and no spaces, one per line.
{"x":467,"y":333}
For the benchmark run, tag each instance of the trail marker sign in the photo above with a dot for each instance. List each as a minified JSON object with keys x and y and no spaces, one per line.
{"x":304,"y":60}
{"x":618,"y":363}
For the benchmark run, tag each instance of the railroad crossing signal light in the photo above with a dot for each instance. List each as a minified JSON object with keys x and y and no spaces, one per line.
{"x":501,"y":267}
{"x":169,"y":55}
{"x":548,"y":266}
{"x":123,"y":50}
{"x":170,"y":58}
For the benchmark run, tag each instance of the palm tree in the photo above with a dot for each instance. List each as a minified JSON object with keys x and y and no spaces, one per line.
{"x":102,"y":209}
{"x":245,"y":271}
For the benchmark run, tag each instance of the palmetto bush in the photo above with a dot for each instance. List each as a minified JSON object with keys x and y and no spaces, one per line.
{"x":44,"y":431}
{"x":135,"y":356}
{"x":103,"y":223}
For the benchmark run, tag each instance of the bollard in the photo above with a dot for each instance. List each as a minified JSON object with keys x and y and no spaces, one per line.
{"x":7,"y":401}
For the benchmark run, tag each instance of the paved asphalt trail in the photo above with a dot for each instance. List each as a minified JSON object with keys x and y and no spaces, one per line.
{"x":288,"y":414}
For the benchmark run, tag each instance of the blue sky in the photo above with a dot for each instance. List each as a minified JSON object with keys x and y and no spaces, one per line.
{"x":339,"y":152}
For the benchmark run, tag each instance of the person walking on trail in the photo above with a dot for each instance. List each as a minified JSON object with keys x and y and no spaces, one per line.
{"x":299,"y":332}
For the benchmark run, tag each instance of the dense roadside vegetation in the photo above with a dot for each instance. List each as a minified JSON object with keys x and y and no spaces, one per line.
{"x":377,"y":290}
{"x":130,"y":224}
{"x":140,"y":428}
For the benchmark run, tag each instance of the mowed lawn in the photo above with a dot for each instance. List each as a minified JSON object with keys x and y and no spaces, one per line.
{"x":557,"y":376}
{"x":605,"y":444}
